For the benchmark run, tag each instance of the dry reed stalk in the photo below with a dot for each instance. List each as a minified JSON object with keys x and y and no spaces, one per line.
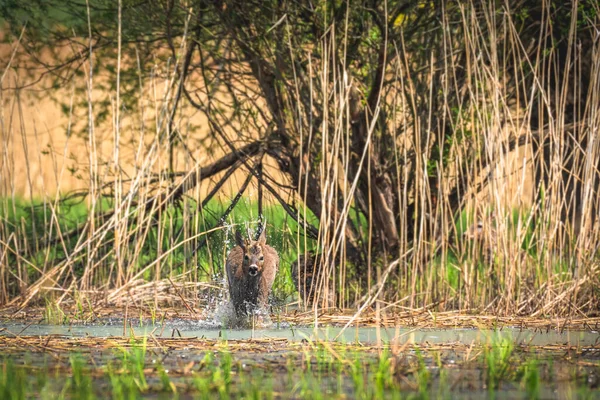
{"x":464,"y":79}
{"x":58,"y":345}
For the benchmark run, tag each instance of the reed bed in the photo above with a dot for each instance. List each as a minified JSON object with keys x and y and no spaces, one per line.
{"x":458,"y":117}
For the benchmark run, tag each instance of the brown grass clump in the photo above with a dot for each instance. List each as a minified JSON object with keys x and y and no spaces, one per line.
{"x":381,"y":166}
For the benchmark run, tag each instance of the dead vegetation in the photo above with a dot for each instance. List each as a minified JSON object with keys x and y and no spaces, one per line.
{"x":385,"y":155}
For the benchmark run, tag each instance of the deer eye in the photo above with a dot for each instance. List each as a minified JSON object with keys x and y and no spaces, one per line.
{"x":246,"y":258}
{"x":261,"y":258}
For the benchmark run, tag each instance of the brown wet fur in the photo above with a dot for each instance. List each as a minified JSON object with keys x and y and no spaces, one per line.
{"x":251,"y":293}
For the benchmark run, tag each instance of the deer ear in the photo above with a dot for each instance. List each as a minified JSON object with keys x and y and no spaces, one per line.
{"x":262,"y":239}
{"x":239,"y":240}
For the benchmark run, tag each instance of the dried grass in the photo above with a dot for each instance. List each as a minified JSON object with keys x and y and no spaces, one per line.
{"x":542,"y":264}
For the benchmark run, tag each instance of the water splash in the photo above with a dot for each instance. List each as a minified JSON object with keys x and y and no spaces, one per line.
{"x":219,"y":312}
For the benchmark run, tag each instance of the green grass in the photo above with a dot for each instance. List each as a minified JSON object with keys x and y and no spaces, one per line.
{"x":530,"y":378}
{"x":53,"y":314}
{"x":498,"y":357}
{"x":32,"y":223}
{"x":27,"y":226}
{"x":13,"y":381}
{"x":321,"y":370}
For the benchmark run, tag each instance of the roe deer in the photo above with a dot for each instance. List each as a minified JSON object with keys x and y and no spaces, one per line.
{"x":251,"y":268}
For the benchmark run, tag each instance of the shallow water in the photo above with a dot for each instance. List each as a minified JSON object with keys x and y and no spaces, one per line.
{"x":365,"y":335}
{"x":292,"y":371}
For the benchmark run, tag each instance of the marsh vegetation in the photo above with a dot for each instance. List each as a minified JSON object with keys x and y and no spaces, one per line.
{"x":494,"y":364}
{"x":370,"y":135}
{"x":415,"y":163}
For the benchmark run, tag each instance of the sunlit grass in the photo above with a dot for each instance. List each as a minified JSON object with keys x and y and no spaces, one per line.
{"x":312,"y":370}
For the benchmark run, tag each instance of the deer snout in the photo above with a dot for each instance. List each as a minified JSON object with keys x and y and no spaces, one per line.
{"x":253,"y":270}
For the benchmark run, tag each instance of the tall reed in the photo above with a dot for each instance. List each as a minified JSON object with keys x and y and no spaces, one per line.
{"x":466,"y":120}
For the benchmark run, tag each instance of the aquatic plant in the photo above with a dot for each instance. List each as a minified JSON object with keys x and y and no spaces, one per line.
{"x":13,"y":381}
{"x":530,"y":378}
{"x":127,"y":374}
{"x":80,"y":384}
{"x":443,"y":388}
{"x":222,"y":373}
{"x":357,"y":376}
{"x":53,"y":314}
{"x":165,"y":380}
{"x":497,"y":356}
{"x":201,"y":380}
{"x":123,"y":384}
{"x":384,"y":378}
{"x":312,"y":369}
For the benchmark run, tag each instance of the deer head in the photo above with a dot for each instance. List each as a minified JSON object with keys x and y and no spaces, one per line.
{"x":254,"y":259}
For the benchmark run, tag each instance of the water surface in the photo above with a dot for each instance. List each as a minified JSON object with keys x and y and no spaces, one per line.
{"x":365,"y":335}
